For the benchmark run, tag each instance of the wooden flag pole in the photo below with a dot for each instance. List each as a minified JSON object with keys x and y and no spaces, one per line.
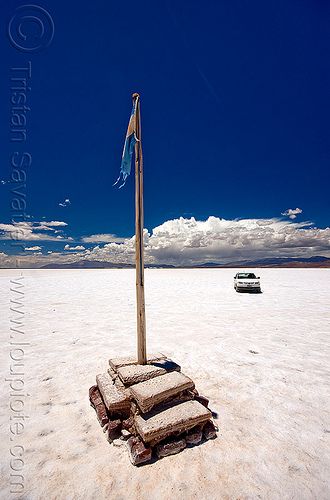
{"x":141,"y":317}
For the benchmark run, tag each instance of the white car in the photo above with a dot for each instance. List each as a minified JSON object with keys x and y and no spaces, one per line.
{"x":247,"y":282}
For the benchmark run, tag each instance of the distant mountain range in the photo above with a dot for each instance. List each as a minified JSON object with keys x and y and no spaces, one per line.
{"x":88,"y":264}
{"x":316,"y":261}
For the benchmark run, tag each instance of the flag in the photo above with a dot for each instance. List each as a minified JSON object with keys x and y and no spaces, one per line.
{"x":131,"y":139}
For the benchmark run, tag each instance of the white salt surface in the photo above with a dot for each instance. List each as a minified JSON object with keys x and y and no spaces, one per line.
{"x":261,"y":359}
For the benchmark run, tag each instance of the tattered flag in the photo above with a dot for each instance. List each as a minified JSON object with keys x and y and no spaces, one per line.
{"x":131,"y":139}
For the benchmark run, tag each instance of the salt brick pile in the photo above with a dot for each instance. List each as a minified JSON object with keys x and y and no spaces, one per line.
{"x":152,"y":407}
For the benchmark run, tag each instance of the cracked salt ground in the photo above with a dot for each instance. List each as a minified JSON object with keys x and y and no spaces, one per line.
{"x":272,"y":407}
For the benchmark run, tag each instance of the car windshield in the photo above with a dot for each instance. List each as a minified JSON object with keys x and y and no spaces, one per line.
{"x":251,"y":276}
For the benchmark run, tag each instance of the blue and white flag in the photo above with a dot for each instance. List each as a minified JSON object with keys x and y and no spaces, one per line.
{"x":126,"y":160}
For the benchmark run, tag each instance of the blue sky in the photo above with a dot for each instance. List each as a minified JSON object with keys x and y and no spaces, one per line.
{"x":235,"y":120}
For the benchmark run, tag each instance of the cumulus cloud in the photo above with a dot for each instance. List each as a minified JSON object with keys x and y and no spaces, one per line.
{"x":78,"y":247}
{"x":37,"y":259}
{"x":4,"y":259}
{"x":292,"y":213}
{"x":188,"y":241}
{"x":116,"y":252}
{"x":33,"y":249}
{"x":32,"y":231}
{"x":102,"y":238}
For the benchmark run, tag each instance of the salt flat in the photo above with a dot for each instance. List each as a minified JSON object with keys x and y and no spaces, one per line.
{"x":261,"y":359}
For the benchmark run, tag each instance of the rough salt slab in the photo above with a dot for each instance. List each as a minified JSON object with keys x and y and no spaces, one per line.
{"x":133,"y":374}
{"x":151,"y":392}
{"x":113,"y":397}
{"x":156,"y":425}
{"x":117,"y":382}
{"x":116,"y":363}
{"x":138,"y":453}
{"x":95,"y":396}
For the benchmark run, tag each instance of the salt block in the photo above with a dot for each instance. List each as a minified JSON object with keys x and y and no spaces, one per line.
{"x":113,"y":397}
{"x":138,"y":453}
{"x":133,"y":374}
{"x":171,"y":448}
{"x":116,"y":363}
{"x":170,"y":418}
{"x":101,"y":414}
{"x":117,"y":382}
{"x":91,"y":390}
{"x":95,"y":396}
{"x":151,"y":392}
{"x":209,"y":430}
{"x":194,"y":435}
{"x":113,"y":430}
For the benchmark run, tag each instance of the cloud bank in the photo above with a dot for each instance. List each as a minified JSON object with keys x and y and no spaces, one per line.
{"x":33,"y":231}
{"x":184,"y":242}
{"x":188,"y":241}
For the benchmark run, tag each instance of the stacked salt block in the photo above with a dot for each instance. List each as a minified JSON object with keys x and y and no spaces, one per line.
{"x":152,"y":407}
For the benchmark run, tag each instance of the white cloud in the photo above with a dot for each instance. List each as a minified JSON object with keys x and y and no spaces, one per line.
{"x":102,"y":238}
{"x":33,"y":249}
{"x":65,"y":203}
{"x":37,"y":259}
{"x":4,"y":259}
{"x":188,"y":241}
{"x":292,"y":213}
{"x":78,"y":247}
{"x":115,"y":252}
{"x":52,"y":223}
{"x":30,"y":231}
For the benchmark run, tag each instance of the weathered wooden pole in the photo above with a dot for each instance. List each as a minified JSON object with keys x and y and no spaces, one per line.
{"x":141,"y":316}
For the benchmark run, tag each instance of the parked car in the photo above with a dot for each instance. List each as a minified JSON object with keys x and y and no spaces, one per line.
{"x":247,"y":282}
